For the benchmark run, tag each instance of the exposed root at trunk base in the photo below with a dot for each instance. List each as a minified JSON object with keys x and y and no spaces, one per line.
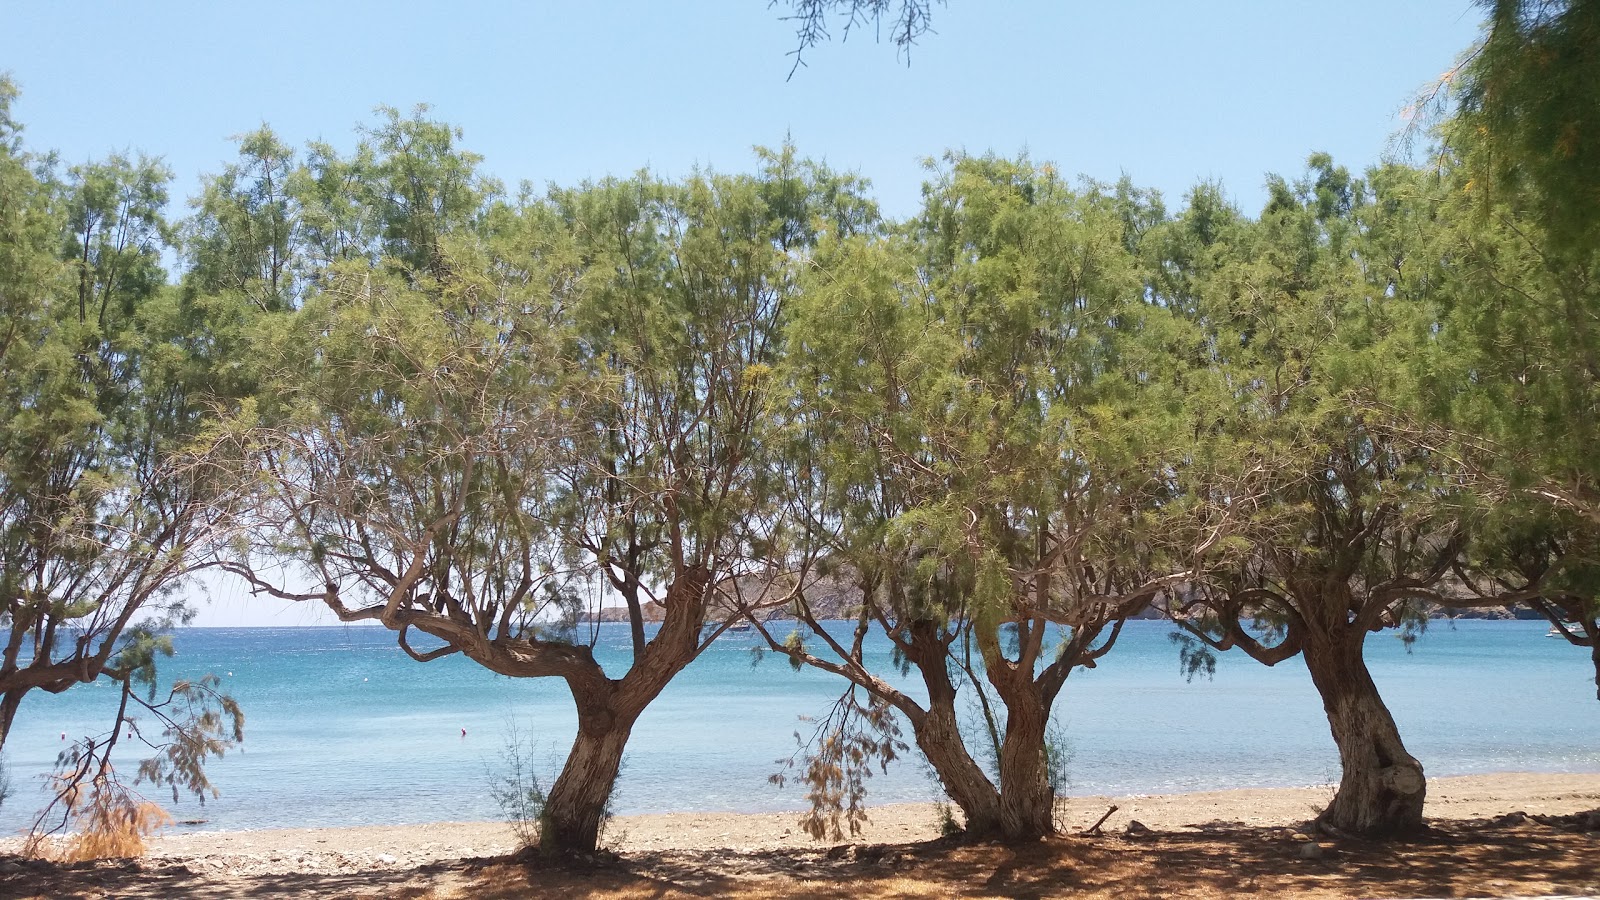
{"x":536,"y":858}
{"x":1381,"y":804}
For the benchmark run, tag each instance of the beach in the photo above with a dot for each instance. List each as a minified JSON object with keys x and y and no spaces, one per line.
{"x":281,"y":850}
{"x":436,"y":859}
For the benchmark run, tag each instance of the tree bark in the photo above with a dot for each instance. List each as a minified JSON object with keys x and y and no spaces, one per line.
{"x":1593,"y":628}
{"x":1382,"y":787}
{"x":575,"y":809}
{"x":1027,"y":799}
{"x":9,"y":702}
{"x":939,"y":736}
{"x":963,"y":779}
{"x":1591,"y":638}
{"x":1021,"y":809}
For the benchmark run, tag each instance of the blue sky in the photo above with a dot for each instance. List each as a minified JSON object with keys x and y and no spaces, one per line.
{"x":1168,"y":91}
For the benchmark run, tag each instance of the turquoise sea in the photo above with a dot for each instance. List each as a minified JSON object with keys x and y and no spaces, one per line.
{"x":343,"y":729}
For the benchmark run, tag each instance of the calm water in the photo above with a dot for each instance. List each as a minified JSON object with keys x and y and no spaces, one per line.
{"x":343,"y":729}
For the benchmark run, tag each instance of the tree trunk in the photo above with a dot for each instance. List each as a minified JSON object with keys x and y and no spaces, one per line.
{"x":939,"y":736}
{"x":1594,"y":654}
{"x":962,"y":778}
{"x":575,"y":810}
{"x":1027,"y":799}
{"x":1382,"y":786}
{"x":1591,"y":630}
{"x":9,"y":701}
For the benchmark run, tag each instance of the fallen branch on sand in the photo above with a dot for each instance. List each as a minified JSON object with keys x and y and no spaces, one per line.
{"x":1095,"y":828}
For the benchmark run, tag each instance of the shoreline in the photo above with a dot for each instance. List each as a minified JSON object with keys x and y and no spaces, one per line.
{"x":395,"y":847}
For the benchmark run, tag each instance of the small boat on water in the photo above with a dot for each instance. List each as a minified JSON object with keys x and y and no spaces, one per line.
{"x":1554,"y":632}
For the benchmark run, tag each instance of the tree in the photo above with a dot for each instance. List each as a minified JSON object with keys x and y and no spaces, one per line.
{"x":1511,"y":382}
{"x":101,"y":515}
{"x":981,"y":413}
{"x":668,"y":490}
{"x":479,"y":425}
{"x":1341,"y":529}
{"x":1528,"y":112}
{"x":1513,"y":385}
{"x":244,"y":239}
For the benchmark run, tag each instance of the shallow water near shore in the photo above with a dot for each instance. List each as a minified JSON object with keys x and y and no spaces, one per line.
{"x":343,"y":729}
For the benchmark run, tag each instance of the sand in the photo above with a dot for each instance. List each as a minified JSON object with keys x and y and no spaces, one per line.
{"x":395,"y":846}
{"x":442,"y":859}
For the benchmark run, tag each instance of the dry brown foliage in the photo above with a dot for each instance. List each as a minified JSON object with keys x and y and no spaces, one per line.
{"x":95,"y":814}
{"x":104,"y":821}
{"x":852,"y":739}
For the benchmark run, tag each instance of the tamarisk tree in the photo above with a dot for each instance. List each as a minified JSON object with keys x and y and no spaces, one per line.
{"x":487,"y":424}
{"x":102,"y":515}
{"x":1513,"y":379}
{"x":1341,"y":529}
{"x":1527,"y":114}
{"x":980,"y":414}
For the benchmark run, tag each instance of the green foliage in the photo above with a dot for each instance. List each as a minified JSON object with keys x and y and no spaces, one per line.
{"x":1512,"y":385}
{"x":984,"y":384}
{"x":485,"y":415}
{"x":243,"y":238}
{"x":401,"y":409}
{"x":198,"y":722}
{"x":81,"y":354}
{"x":985,"y":430}
{"x":1529,"y":114}
{"x":945,"y":819}
{"x":103,"y":509}
{"x":108,"y":815}
{"x":687,"y":292}
{"x":795,"y":645}
{"x":1195,"y":656}
{"x":137,"y":655}
{"x":1306,"y":312}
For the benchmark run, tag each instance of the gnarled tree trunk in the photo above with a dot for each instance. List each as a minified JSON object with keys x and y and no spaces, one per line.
{"x":1027,"y":799}
{"x":938,"y":735}
{"x":1021,"y":808}
{"x":1382,"y":787}
{"x":575,"y":808}
{"x":963,"y":779}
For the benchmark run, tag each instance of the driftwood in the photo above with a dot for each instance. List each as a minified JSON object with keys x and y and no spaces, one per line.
{"x":1095,"y":828}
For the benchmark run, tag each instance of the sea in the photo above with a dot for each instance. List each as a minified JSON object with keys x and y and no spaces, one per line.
{"x":342,"y":728}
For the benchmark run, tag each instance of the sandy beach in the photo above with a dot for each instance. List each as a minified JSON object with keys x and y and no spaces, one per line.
{"x":396,"y":846}
{"x":699,"y":851}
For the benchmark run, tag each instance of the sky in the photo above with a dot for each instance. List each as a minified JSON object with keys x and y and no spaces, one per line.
{"x":1169,"y":92}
